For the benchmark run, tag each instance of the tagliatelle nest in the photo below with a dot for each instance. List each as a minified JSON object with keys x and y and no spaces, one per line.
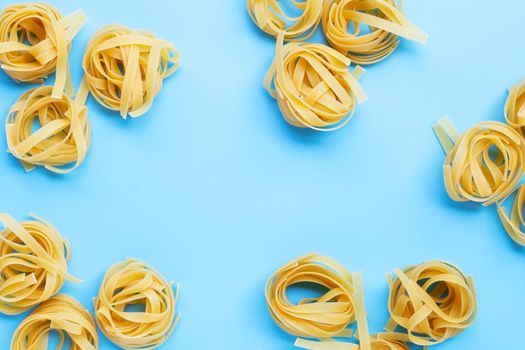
{"x":432,"y":302}
{"x":313,"y":86}
{"x":515,"y":223}
{"x":381,"y":341}
{"x":125,"y":68}
{"x":133,"y":283}
{"x":515,"y":107}
{"x":33,"y":264}
{"x":63,"y":315}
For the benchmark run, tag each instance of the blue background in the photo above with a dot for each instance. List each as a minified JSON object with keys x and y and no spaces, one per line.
{"x":215,"y":190}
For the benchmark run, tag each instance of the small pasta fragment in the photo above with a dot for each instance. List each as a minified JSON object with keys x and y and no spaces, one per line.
{"x":432,"y":302}
{"x":386,"y":23}
{"x":35,"y":41}
{"x":134,"y":283}
{"x":313,"y":86}
{"x":269,"y":16}
{"x":515,"y":107}
{"x":33,"y":263}
{"x":125,"y":68}
{"x":515,"y":223}
{"x":63,"y":315}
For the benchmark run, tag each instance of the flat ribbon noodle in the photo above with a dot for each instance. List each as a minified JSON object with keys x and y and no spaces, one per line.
{"x":125,"y":68}
{"x":515,"y":223}
{"x":313,"y":86}
{"x":63,"y":315}
{"x":515,"y":107}
{"x":385,"y":20}
{"x":381,"y":341}
{"x":132,"y":282}
{"x":33,"y":263}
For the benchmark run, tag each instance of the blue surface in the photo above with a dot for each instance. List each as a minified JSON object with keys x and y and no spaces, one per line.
{"x":215,"y":190}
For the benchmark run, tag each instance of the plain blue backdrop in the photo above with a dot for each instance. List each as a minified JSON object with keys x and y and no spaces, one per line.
{"x":216,"y":191}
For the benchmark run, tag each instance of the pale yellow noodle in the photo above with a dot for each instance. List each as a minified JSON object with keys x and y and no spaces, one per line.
{"x":515,"y":107}
{"x":515,"y":223}
{"x":381,"y":341}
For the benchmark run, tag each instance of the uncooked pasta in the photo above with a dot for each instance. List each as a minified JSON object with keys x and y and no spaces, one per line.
{"x":381,"y":341}
{"x":515,"y":107}
{"x":515,"y":223}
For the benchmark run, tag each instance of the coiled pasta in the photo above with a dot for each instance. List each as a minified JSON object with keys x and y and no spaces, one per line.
{"x":128,"y":283}
{"x":124,"y":68}
{"x":63,"y":136}
{"x":433,"y":302}
{"x":63,"y":315}
{"x":312,"y":85}
{"x":269,"y":16}
{"x":35,"y":41}
{"x":515,"y":107}
{"x":385,"y":20}
{"x":33,"y":263}
{"x":515,"y":223}
{"x":381,"y":341}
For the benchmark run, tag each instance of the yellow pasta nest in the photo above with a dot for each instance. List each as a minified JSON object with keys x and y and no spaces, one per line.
{"x":324,"y":317}
{"x":515,"y":107}
{"x":269,"y":16}
{"x":34,"y":42}
{"x":63,"y":315}
{"x":124,"y":68}
{"x":515,"y":223}
{"x":33,"y":264}
{"x":313,"y":86}
{"x":433,"y":302}
{"x":388,"y":341}
{"x":386,"y":23}
{"x":382,"y":341}
{"x":63,"y":136}
{"x":133,"y":283}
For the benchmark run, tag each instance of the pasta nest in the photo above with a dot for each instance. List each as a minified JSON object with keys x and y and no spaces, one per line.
{"x":33,"y":264}
{"x":313,"y":86}
{"x":269,"y":16}
{"x":389,"y":341}
{"x":382,"y":341}
{"x":515,"y":223}
{"x":35,"y":41}
{"x":63,"y":136}
{"x":433,"y":302}
{"x":515,"y":107}
{"x":124,"y":68}
{"x":386,"y":22}
{"x":323,"y":317}
{"x":133,"y":283}
{"x":63,"y":315}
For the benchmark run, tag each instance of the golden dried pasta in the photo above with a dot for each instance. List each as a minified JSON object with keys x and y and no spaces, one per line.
{"x":342,"y":21}
{"x":63,"y":136}
{"x":381,"y":341}
{"x":313,"y":86}
{"x":432,"y":302}
{"x":125,"y":68}
{"x":62,"y":315}
{"x":35,"y":41}
{"x":270,"y":17}
{"x":515,"y":107}
{"x":33,"y":263}
{"x":134,"y":283}
{"x":515,"y":223}
{"x":482,"y":165}
{"x":324,"y":317}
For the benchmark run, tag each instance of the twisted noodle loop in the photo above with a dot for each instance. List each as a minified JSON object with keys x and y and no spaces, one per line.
{"x":33,"y":264}
{"x":129,"y":283}
{"x":312,"y":85}
{"x":385,"y":20}
{"x":433,"y":302}
{"x":324,"y":317}
{"x":63,"y":315}
{"x":125,"y":68}
{"x":515,"y":107}
{"x":514,"y":225}
{"x":63,"y":136}
{"x":34,"y":42}
{"x":484,"y":164}
{"x":270,"y":17}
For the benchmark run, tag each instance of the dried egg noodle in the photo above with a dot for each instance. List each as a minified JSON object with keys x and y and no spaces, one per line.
{"x":63,"y":136}
{"x":63,"y":315}
{"x":132,"y":282}
{"x":125,"y":68}
{"x":270,"y":17}
{"x":514,"y":225}
{"x":433,"y":302}
{"x":482,"y":165}
{"x":35,"y":41}
{"x":33,"y":263}
{"x":515,"y":107}
{"x":381,"y":341}
{"x":312,"y":85}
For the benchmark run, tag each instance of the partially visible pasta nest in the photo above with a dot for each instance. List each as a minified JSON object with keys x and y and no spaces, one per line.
{"x":35,"y":40}
{"x":33,"y":263}
{"x":62,"y":315}
{"x":515,"y":107}
{"x":270,"y":17}
{"x":388,"y":341}
{"x":342,"y":21}
{"x":432,"y":302}
{"x":313,"y":86}
{"x":129,"y":283}
{"x":63,"y":136}
{"x":514,"y":223}
{"x":125,"y":69}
